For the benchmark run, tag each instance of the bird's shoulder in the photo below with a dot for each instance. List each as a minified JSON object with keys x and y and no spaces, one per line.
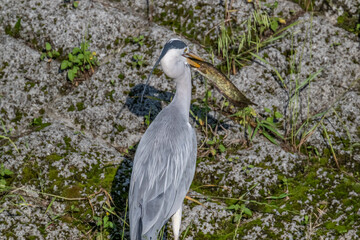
{"x":169,"y":125}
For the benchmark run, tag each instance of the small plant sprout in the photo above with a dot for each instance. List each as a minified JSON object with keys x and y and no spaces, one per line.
{"x":80,"y":61}
{"x":75,"y":4}
{"x":4,"y":173}
{"x":6,"y":135}
{"x":14,"y":31}
{"x":138,"y":40}
{"x":269,"y":126}
{"x":138,"y":61}
{"x":49,"y":53}
{"x":147,"y":119}
{"x":104,"y":225}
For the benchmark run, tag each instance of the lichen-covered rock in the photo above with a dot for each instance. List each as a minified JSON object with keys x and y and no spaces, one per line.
{"x":76,"y":144}
{"x":60,"y":161}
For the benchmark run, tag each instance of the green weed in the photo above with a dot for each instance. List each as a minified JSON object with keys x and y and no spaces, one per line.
{"x":147,"y":119}
{"x":4,"y":173}
{"x":80,"y":61}
{"x":137,"y":61}
{"x":49,"y":53}
{"x":75,"y":4}
{"x":138,"y":40}
{"x":104,"y":225}
{"x":235,"y":50}
{"x":14,"y":31}
{"x":6,"y":135}
{"x":38,"y":124}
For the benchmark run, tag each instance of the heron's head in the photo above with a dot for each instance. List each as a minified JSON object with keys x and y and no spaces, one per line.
{"x":174,"y":58}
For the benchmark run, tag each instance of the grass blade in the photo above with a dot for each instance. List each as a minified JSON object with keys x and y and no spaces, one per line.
{"x":274,"y":69}
{"x":331,"y":147}
{"x":51,"y":203}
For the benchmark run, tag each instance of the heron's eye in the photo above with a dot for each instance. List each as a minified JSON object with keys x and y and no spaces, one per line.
{"x":186,"y":50}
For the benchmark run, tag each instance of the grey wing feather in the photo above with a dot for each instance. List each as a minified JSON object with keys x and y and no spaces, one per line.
{"x":163,"y":170}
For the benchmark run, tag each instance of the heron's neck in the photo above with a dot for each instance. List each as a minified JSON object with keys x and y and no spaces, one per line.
{"x":182,"y":96}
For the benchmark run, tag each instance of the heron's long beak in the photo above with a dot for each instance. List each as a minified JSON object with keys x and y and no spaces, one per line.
{"x":189,"y":56}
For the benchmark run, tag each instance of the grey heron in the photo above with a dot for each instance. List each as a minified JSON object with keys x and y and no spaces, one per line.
{"x":165,"y":159}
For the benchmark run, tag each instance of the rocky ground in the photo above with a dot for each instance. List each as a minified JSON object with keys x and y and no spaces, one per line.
{"x":68,"y":176}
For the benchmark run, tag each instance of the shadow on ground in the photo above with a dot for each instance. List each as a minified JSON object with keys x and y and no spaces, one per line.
{"x":151,"y":105}
{"x":119,"y":193}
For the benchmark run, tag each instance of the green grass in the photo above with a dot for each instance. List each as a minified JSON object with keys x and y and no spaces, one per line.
{"x":258,"y":31}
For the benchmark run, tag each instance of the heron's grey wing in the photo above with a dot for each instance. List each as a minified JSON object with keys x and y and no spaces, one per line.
{"x":163,"y":170}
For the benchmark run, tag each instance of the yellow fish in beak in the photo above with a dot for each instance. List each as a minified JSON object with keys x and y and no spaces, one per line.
{"x":218,"y":80}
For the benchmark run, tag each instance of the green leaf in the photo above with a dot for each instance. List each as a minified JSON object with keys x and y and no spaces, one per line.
{"x":71,"y":75}
{"x":8,"y":172}
{"x":51,"y":203}
{"x":255,"y":132}
{"x":47,"y":46}
{"x":76,"y":60}
{"x":106,"y":218}
{"x":56,"y":53}
{"x":43,"y":55}
{"x":213,"y":151}
{"x":234,"y":207}
{"x":64,"y":64}
{"x":306,"y":219}
{"x":76,"y":50}
{"x":274,"y":25}
{"x":87,"y":54}
{"x":281,"y":196}
{"x":222,"y":148}
{"x":99,"y":222}
{"x":269,"y":120}
{"x":268,"y":123}
{"x":17,"y":27}
{"x":278,"y":115}
{"x":76,"y":4}
{"x":81,"y":56}
{"x":2,"y":183}
{"x":270,"y":138}
{"x":237,"y":217}
{"x":111,"y":225}
{"x":71,"y":57}
{"x":37,"y":121}
{"x":275,"y":4}
{"x":273,"y":130}
{"x":247,"y":211}
{"x":50,"y":54}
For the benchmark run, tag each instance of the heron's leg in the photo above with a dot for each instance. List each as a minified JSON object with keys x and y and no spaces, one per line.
{"x":176,"y":222}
